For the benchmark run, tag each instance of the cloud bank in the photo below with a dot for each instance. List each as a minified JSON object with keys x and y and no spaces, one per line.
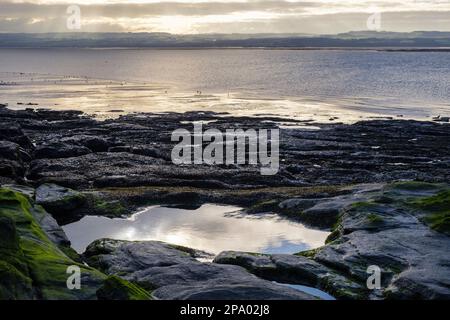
{"x":220,"y":16}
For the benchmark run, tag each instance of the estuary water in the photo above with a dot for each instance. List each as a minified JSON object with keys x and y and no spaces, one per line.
{"x":316,"y":84}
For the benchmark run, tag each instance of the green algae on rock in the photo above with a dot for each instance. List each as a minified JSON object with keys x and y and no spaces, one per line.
{"x":40,"y":264}
{"x":437,"y":208}
{"x":116,"y":288}
{"x":35,"y":256}
{"x":58,"y":200}
{"x":15,"y":281}
{"x":392,"y":226}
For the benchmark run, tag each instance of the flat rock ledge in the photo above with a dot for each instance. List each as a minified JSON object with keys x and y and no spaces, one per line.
{"x":402,"y":228}
{"x":74,"y":150}
{"x":172,"y":272}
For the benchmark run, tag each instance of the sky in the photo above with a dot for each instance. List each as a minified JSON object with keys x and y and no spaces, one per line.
{"x":224,"y":16}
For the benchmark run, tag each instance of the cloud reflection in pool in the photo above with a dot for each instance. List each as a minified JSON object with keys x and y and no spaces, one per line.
{"x":212,"y":228}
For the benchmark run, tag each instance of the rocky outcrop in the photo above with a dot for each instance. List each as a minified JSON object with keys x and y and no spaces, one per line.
{"x":32,"y":266}
{"x":11,"y":162}
{"x":58,"y":200}
{"x":15,"y":150}
{"x":35,"y":257}
{"x":72,"y":146}
{"x":92,"y":142}
{"x":323,"y":212}
{"x":402,"y":228}
{"x":55,"y":150}
{"x":292,"y":269}
{"x":172,"y":272}
{"x":134,"y":150}
{"x":14,"y":160}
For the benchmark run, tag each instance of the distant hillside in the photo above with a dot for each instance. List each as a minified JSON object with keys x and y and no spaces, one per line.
{"x":393,"y":35}
{"x":358,"y":39}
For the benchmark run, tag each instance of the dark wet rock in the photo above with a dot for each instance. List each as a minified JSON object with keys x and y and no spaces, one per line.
{"x":13,"y":160}
{"x":291,"y":269}
{"x":15,"y":149}
{"x":402,"y":228}
{"x":58,"y":200}
{"x":378,"y":226}
{"x":173,"y":272}
{"x":12,"y":131}
{"x":53,"y":115}
{"x":441,"y":119}
{"x":144,"y":150}
{"x":119,"y":169}
{"x":237,"y":289}
{"x":11,"y":169}
{"x":388,"y":230}
{"x":323,"y":212}
{"x":54,"y":150}
{"x":119,"y":126}
{"x":151,"y":151}
{"x":283,"y":268}
{"x":120,"y":149}
{"x":49,"y":225}
{"x":337,"y":154}
{"x":94,"y":143}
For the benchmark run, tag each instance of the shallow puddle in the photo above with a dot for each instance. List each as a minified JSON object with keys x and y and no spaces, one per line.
{"x":212,"y":228}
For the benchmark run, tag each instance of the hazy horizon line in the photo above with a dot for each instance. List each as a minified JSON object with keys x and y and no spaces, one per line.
{"x":230,"y":33}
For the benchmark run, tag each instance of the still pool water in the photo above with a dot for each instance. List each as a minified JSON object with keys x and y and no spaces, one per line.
{"x":212,"y":228}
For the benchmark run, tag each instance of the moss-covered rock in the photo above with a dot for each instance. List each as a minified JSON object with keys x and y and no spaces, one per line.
{"x":390,"y":229}
{"x":308,"y":253}
{"x":437,"y":208}
{"x":264,"y":206}
{"x":414,"y":186}
{"x":15,"y":280}
{"x":439,"y":222}
{"x":116,"y":288}
{"x":374,"y":219}
{"x":439,"y":202}
{"x":108,"y":208}
{"x":32,"y":266}
{"x":58,"y":200}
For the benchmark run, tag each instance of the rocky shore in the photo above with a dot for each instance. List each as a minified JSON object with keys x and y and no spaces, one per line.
{"x":380,"y":186}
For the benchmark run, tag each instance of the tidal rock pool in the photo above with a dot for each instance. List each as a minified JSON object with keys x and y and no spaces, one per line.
{"x":212,"y":228}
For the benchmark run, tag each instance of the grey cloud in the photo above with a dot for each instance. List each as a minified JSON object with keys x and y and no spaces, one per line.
{"x":18,"y":17}
{"x":336,"y":23}
{"x":27,"y":25}
{"x":135,"y":10}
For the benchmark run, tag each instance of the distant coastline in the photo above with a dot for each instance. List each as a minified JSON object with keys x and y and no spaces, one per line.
{"x":352,"y":40}
{"x":385,"y":49}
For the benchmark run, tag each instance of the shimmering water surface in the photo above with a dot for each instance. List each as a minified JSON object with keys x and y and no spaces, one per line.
{"x":295,"y":83}
{"x":211,"y":228}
